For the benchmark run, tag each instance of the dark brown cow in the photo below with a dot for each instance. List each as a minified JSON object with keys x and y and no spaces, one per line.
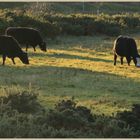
{"x":9,"y":47}
{"x":126,"y":47}
{"x":27,"y":36}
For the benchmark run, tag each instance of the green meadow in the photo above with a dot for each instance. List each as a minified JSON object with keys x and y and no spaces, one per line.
{"x":79,"y":67}
{"x":73,"y":90}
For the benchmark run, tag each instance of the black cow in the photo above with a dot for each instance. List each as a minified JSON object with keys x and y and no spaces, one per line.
{"x":9,"y":47}
{"x":27,"y":36}
{"x":126,"y":47}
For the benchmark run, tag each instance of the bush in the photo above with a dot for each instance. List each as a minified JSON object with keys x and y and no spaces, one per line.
{"x":52,"y":25}
{"x":112,"y":128}
{"x":23,"y":102}
{"x":132,"y":118}
{"x":22,"y":116}
{"x":131,"y":22}
{"x":46,"y":28}
{"x":68,"y":116}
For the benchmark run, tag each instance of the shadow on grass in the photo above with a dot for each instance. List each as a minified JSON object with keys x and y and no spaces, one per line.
{"x":65,"y":81}
{"x":27,"y":69}
{"x":70,"y":81}
{"x":37,"y":54}
{"x":68,"y":56}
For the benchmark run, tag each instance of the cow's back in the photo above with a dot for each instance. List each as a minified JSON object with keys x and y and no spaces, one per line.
{"x":133,"y":47}
{"x":9,"y":46}
{"x":121,"y":46}
{"x":24,"y":35}
{"x":125,"y":46}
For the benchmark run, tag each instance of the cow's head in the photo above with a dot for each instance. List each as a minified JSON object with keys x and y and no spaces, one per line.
{"x":24,"y":58}
{"x":138,"y":60}
{"x":43,"y":46}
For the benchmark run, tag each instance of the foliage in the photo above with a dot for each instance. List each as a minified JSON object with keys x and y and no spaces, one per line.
{"x":20,"y":19}
{"x":84,"y":24}
{"x":66,"y":120}
{"x":23,"y":102}
{"x":131,"y":117}
{"x":51,"y":25}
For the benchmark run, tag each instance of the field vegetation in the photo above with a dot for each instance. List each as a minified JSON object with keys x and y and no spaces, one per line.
{"x":52,"y":25}
{"x":73,"y":87}
{"x":82,"y":69}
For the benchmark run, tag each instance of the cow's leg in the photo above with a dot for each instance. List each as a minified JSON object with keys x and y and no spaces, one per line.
{"x":13,"y":61}
{"x":128,"y":58}
{"x":121,"y":60}
{"x":4,"y":58}
{"x":34,"y":48}
{"x":115,"y":58}
{"x":135,"y":61}
{"x":27,"y":47}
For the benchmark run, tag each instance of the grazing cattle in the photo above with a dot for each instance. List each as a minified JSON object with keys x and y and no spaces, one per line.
{"x":9,"y":47}
{"x":126,"y":47}
{"x":27,"y":36}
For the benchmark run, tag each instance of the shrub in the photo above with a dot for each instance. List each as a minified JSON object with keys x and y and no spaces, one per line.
{"x":67,"y":115}
{"x":23,"y":102}
{"x":45,"y":27}
{"x":71,"y":29}
{"x":112,"y":128}
{"x":52,"y":25}
{"x":132,"y":118}
{"x":131,"y":22}
{"x":22,"y":116}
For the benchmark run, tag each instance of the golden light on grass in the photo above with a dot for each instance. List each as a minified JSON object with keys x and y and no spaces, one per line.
{"x":77,"y":66}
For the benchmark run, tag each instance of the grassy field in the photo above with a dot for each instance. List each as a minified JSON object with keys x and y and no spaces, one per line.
{"x":76,"y":67}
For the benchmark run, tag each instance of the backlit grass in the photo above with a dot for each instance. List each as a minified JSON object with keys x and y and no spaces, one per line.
{"x":79,"y":67}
